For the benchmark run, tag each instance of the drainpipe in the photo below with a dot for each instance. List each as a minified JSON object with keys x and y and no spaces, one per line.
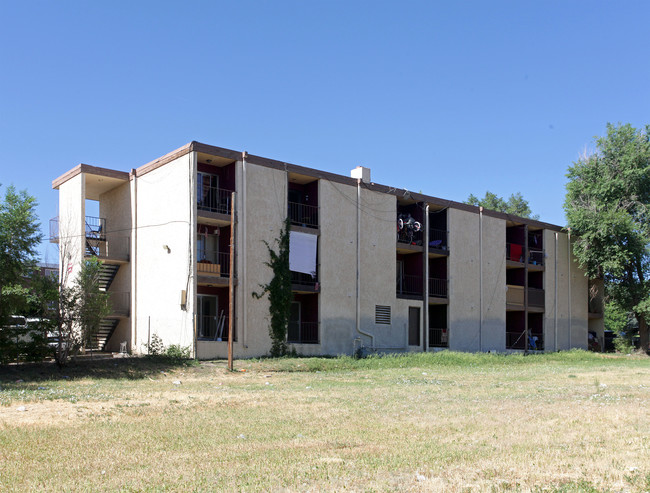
{"x":242,"y":218}
{"x":480,"y":278}
{"x":425,"y":337}
{"x":358,"y":308}
{"x":569,"y":281}
{"x":555,"y":290}
{"x":133,"y":257}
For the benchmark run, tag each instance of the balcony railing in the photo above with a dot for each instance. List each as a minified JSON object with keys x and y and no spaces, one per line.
{"x":516,"y":339}
{"x":517,"y":253}
{"x":212,"y":327}
{"x":303,"y":215}
{"x":438,"y":337}
{"x":115,"y":247}
{"x":409,"y":237}
{"x":302,"y":332}
{"x":536,"y":297}
{"x":213,"y":263}
{"x":120,"y":303}
{"x":95,"y":228}
{"x":515,"y":295}
{"x":213,"y":199}
{"x":409,"y":285}
{"x":438,"y":287}
{"x":300,"y":279}
{"x":536,"y":257}
{"x":438,"y":239}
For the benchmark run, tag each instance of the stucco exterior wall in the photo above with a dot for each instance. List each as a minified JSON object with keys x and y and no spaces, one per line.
{"x":164,"y":219}
{"x":72,"y":213}
{"x":338,"y":253}
{"x":493,"y":337}
{"x":558,"y":292}
{"x":464,"y":274}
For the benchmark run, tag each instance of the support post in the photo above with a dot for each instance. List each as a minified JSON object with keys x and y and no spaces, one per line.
{"x":230,"y":281}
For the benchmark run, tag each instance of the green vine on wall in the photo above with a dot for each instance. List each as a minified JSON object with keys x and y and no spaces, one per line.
{"x":279,"y":291}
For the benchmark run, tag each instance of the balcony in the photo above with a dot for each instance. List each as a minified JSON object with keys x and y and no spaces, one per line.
{"x":302,"y":333}
{"x":120,"y":303}
{"x":438,"y":337}
{"x":409,"y":285}
{"x":213,"y":328}
{"x":213,"y":199}
{"x":517,"y":253}
{"x":303,"y":215}
{"x":304,"y":283}
{"x":535,"y":298}
{"x":95,"y":228}
{"x":437,"y":239}
{"x":213,"y":263}
{"x":515,"y":295}
{"x":438,"y":288}
{"x":536,"y":257}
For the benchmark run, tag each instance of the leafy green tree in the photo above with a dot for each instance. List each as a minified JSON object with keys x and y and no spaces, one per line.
{"x":19,"y":238}
{"x":516,"y":204}
{"x":92,"y":303}
{"x":608,"y":208}
{"x":279,"y":291}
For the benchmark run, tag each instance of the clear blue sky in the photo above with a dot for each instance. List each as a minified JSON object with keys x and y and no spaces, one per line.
{"x":449,"y":98}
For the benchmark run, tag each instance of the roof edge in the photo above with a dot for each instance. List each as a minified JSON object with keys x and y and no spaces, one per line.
{"x":91,"y":170}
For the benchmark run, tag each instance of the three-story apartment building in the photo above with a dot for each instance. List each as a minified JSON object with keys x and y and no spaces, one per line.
{"x":372,"y":265}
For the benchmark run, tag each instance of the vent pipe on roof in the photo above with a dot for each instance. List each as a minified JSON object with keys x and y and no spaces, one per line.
{"x":361,"y":173}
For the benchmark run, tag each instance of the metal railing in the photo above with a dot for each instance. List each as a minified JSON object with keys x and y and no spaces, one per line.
{"x":94,"y":227}
{"x":213,"y":262}
{"x":409,"y":237}
{"x":438,"y":239}
{"x":515,"y":339}
{"x":302,"y":332}
{"x":303,"y":215}
{"x":213,"y":327}
{"x":302,"y":279}
{"x":120,"y":303}
{"x":213,"y":199}
{"x":114,"y":247}
{"x":536,"y":257}
{"x":409,"y":285}
{"x":536,"y":297}
{"x":438,"y":337}
{"x":517,"y":253}
{"x":438,"y":287}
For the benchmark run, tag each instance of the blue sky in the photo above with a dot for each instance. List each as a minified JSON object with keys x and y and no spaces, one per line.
{"x":449,"y":98}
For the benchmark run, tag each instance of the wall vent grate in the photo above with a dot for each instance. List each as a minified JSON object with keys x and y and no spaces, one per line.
{"x":382,"y":314}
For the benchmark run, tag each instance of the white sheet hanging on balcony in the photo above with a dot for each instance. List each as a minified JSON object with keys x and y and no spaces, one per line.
{"x":302,"y":252}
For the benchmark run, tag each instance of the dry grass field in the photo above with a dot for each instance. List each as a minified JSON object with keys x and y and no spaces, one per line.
{"x":565,"y":422}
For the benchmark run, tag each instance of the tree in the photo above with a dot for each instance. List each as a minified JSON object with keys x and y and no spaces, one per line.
{"x":92,"y":303}
{"x":607,"y":206}
{"x":19,"y":238}
{"x":279,"y":291}
{"x":516,"y":204}
{"x":74,"y":309}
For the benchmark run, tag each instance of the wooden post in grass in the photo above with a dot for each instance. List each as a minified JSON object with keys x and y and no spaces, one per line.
{"x":230,"y":279}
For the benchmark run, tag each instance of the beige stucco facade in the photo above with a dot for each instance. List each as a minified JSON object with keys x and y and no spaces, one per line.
{"x":354,"y":299}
